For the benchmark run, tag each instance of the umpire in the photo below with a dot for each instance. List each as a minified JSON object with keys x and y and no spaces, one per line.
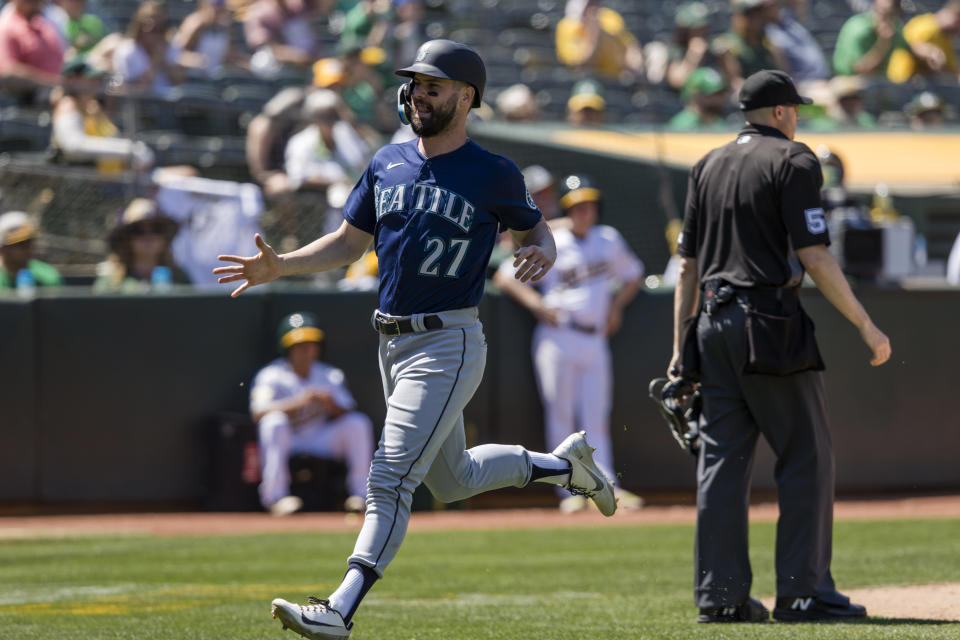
{"x":753,"y":223}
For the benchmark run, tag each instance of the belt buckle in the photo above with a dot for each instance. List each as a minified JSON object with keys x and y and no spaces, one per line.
{"x":388,"y":327}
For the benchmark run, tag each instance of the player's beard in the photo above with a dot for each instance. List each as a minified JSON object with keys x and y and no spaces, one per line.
{"x":440,"y":118}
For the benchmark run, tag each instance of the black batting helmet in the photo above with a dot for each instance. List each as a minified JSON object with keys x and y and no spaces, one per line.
{"x":577,"y":188}
{"x":449,"y":59}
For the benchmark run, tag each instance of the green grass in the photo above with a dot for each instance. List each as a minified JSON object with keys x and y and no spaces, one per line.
{"x":601,"y":583}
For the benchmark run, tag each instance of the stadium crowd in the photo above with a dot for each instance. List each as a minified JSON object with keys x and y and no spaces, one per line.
{"x":295,"y":95}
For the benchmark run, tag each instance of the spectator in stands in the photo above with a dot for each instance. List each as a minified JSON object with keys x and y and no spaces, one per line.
{"x":586,"y":106}
{"x":17,"y":235}
{"x":872,"y":43}
{"x":329,"y":150}
{"x":145,"y":59}
{"x":31,"y":49}
{"x":690,"y":48}
{"x":81,"y":30}
{"x":367,"y":24}
{"x":279,"y":32}
{"x":802,"y":55}
{"x":517,"y":103}
{"x":927,"y":110}
{"x":140,"y":255}
{"x":82,"y":131}
{"x":745,"y":48}
{"x":361,"y":88}
{"x":302,"y":405}
{"x":595,"y":38}
{"x":267,"y":136}
{"x":847,"y":107}
{"x":408,"y":32}
{"x":206,"y":33}
{"x":705,"y":98}
{"x":931,"y":38}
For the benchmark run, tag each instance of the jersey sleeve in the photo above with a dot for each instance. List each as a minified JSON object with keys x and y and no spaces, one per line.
{"x":800,"y":204}
{"x":360,"y":209}
{"x":262,"y":392}
{"x":514,"y":205}
{"x":687,"y":243}
{"x":625,"y":265}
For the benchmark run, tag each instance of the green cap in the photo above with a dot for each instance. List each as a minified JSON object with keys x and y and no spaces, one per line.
{"x":742,"y":6}
{"x":703,"y":81}
{"x":296,"y":328}
{"x":586,"y":94}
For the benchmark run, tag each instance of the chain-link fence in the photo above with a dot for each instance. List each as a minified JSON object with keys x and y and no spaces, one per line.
{"x":76,"y":207}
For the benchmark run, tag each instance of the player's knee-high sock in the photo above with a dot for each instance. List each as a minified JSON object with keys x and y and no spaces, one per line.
{"x":357,"y":581}
{"x":549,"y":468}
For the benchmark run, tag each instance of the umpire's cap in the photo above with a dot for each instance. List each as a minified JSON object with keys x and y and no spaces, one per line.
{"x":769,"y":88}
{"x":577,"y":188}
{"x":449,"y":59}
{"x":298,"y":327}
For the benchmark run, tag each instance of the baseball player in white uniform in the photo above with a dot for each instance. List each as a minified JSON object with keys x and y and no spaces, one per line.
{"x":579,"y":304}
{"x":302,"y":405}
{"x":433,"y":208}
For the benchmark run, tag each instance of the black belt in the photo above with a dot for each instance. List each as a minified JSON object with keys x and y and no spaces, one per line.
{"x":583,"y":328}
{"x":717,"y":292}
{"x":398,"y":326}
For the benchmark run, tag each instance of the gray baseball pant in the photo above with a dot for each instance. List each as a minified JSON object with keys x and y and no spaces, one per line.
{"x":428,"y":378}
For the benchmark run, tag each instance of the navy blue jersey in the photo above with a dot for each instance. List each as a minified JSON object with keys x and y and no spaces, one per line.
{"x":435,"y":222}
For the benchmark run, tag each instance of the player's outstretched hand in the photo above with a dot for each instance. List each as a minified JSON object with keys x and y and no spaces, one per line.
{"x":258,"y":269}
{"x":878,"y":342}
{"x":532,"y":263}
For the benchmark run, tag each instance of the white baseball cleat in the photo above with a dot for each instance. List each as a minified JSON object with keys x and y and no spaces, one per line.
{"x":286,"y":506}
{"x":585,"y":477}
{"x":316,"y":621}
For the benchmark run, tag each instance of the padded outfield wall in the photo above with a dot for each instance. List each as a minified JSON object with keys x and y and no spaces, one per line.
{"x":104,"y":398}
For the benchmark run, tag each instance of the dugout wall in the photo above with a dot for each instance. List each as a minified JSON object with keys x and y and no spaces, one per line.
{"x":103,"y":398}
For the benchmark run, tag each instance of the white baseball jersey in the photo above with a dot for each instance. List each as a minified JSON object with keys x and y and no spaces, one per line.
{"x":278,"y":381}
{"x":582,"y":279}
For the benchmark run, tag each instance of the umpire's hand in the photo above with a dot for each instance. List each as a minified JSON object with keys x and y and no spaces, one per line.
{"x":259,"y":269}
{"x":878,"y":342}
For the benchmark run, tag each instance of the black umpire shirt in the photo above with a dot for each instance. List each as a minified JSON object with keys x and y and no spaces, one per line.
{"x":750,"y":204}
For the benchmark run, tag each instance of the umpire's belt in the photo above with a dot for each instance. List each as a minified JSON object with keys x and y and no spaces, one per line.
{"x":395,"y":326}
{"x":718,"y":292}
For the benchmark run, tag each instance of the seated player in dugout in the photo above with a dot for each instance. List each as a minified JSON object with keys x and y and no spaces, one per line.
{"x":302,"y":405}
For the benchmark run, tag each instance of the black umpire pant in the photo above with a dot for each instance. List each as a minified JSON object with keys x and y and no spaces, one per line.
{"x":790,"y":412}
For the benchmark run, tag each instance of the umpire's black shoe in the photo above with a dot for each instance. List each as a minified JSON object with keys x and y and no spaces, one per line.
{"x":818,"y":608}
{"x":749,"y":611}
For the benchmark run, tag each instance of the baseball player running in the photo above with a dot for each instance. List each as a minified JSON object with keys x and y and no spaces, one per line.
{"x":433,"y":207}
{"x":579,"y":304}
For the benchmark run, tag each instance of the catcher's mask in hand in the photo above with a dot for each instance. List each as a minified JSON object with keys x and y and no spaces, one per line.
{"x":679,"y":403}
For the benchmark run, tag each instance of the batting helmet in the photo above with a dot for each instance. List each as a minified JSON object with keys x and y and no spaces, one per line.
{"x":298,"y":327}
{"x":577,"y":188}
{"x":443,"y":59}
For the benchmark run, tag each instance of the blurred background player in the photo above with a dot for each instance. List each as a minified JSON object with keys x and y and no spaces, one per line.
{"x":579,"y":305}
{"x":302,"y":405}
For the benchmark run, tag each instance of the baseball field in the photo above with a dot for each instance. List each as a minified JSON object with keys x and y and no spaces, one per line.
{"x":526,"y":575}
